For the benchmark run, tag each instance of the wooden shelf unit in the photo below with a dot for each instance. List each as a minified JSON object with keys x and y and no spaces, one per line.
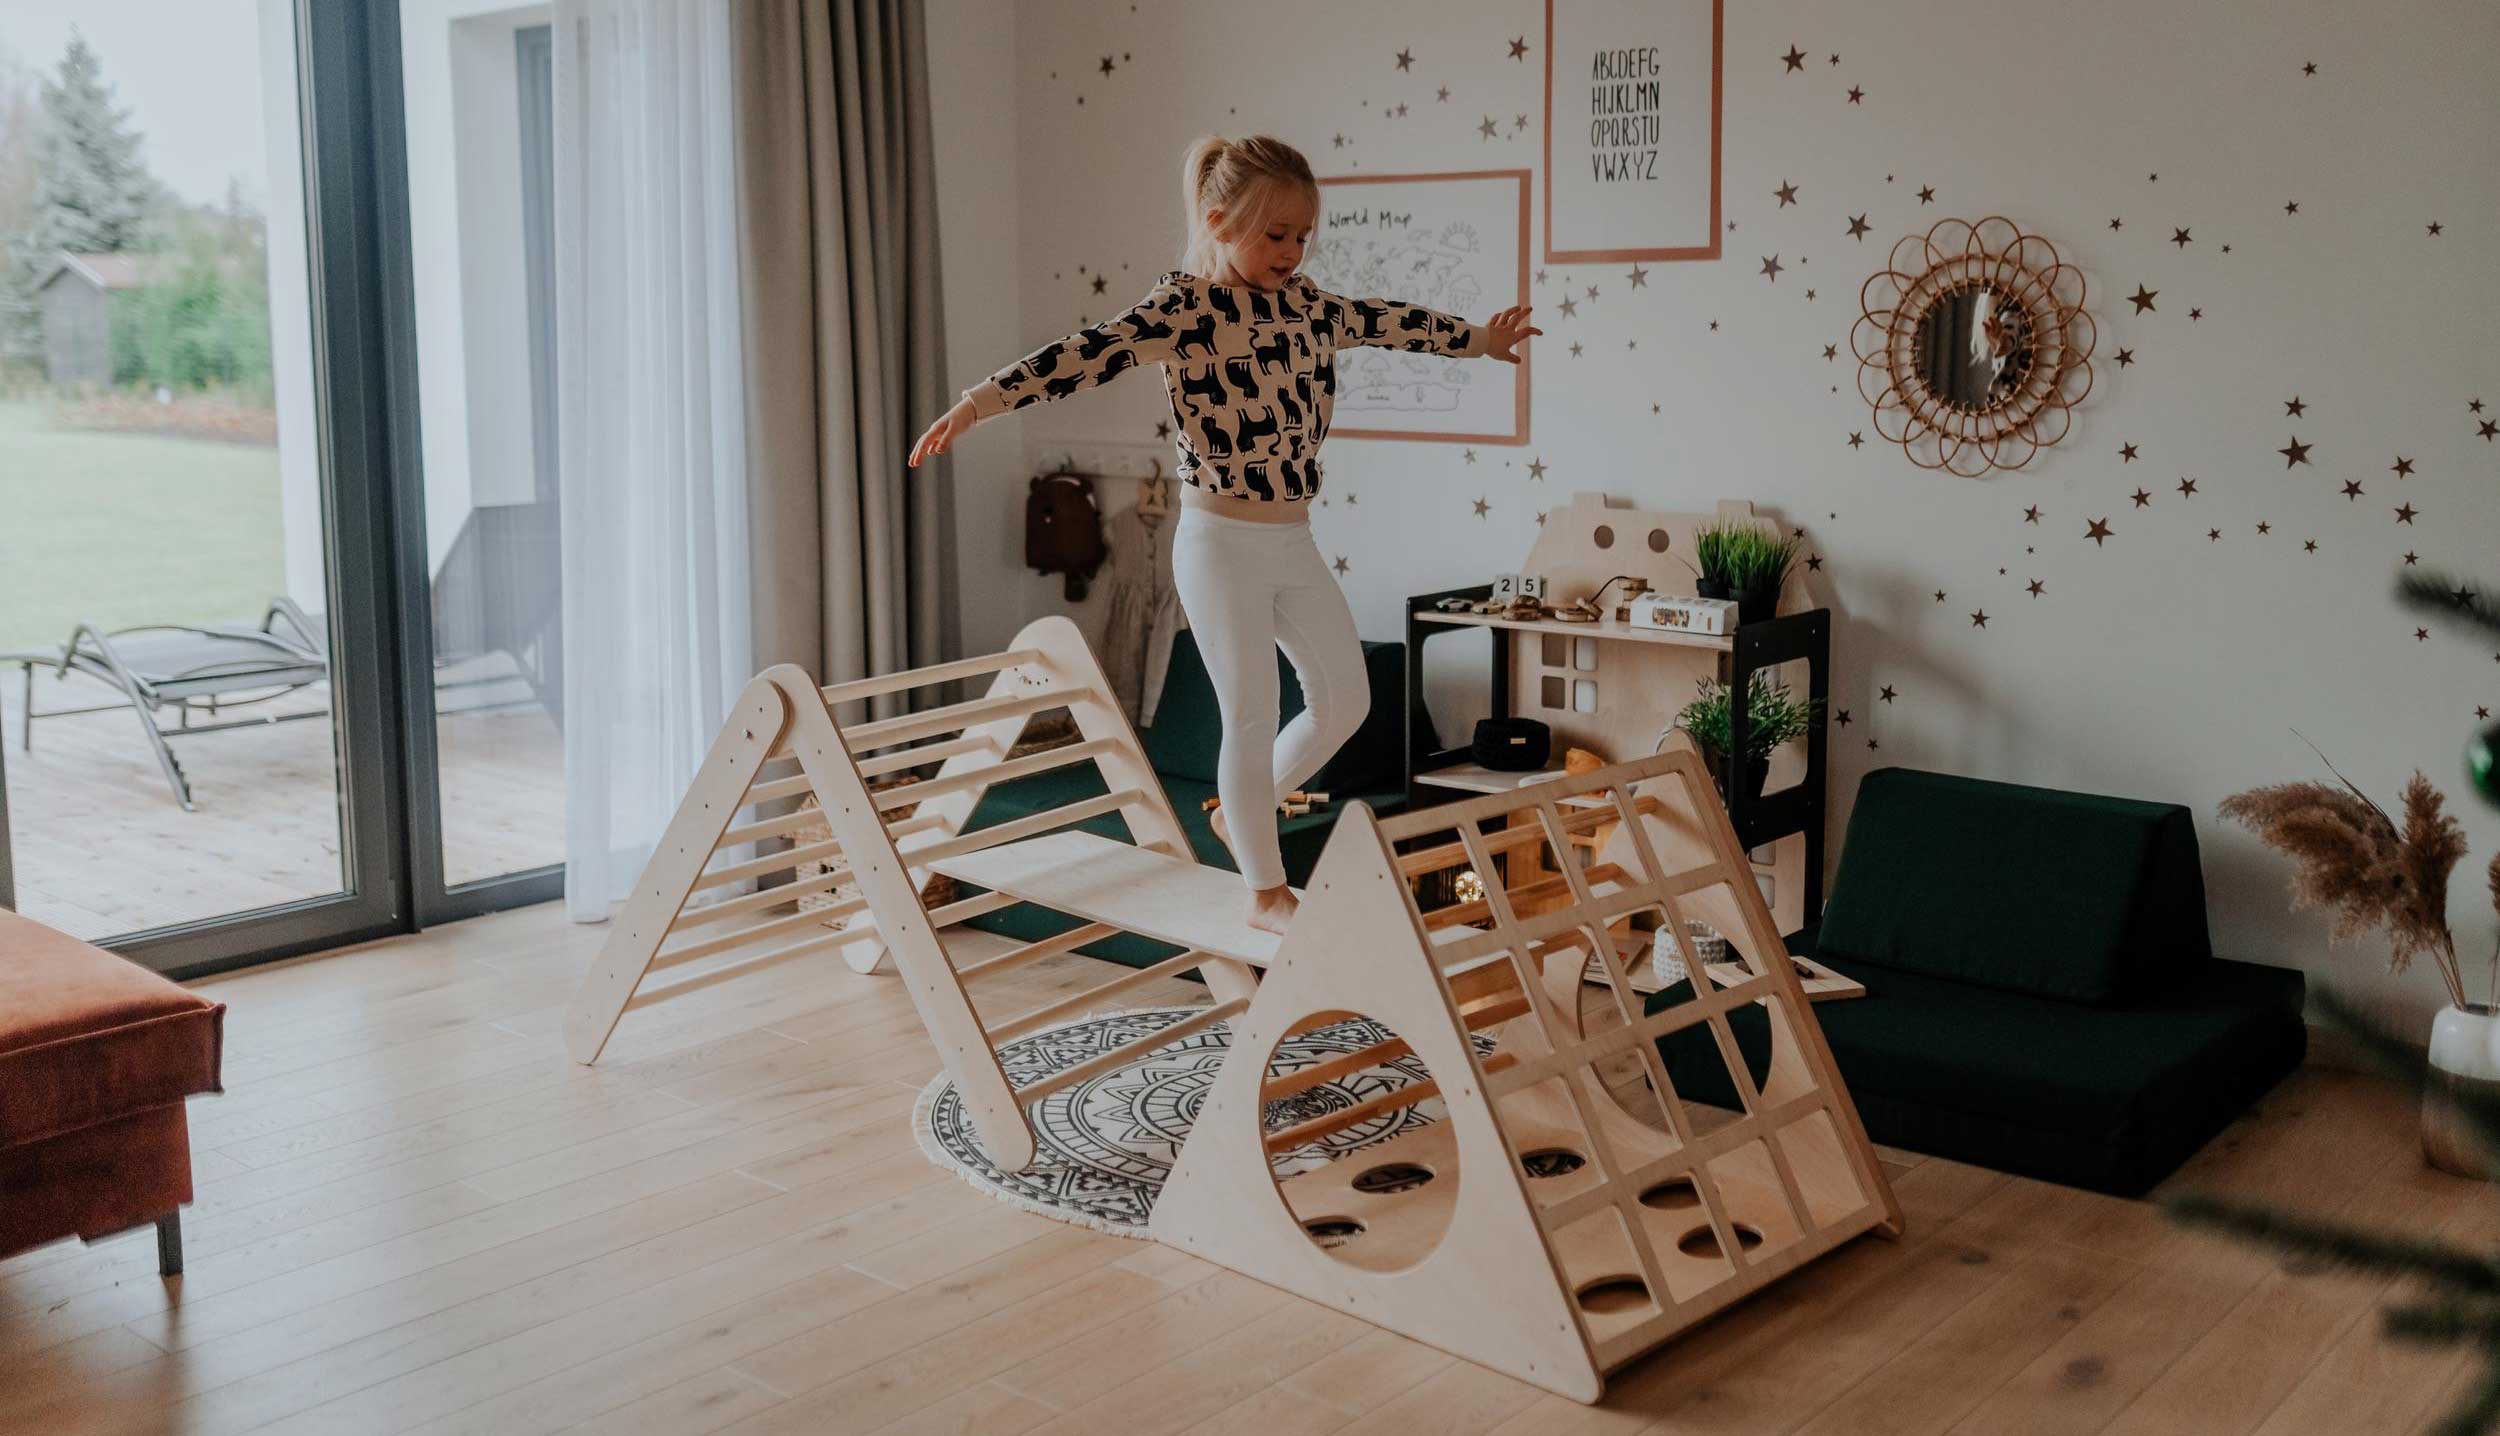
{"x":1435,"y":774}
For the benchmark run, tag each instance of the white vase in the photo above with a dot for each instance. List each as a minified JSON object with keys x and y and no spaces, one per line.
{"x":2464,"y":1060}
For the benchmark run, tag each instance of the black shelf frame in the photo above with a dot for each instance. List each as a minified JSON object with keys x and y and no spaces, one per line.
{"x":1755,"y":647}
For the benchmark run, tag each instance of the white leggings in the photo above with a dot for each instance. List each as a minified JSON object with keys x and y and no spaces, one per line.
{"x":1247,"y":587}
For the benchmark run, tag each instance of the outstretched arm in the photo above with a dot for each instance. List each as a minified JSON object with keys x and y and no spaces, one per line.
{"x":1091,"y":356}
{"x":1395,"y":324}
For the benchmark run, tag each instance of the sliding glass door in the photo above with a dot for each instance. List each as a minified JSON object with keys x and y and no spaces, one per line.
{"x":469,"y":114}
{"x":201,"y":762}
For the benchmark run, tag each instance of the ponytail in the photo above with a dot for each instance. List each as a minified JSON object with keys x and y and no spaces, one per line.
{"x":1243,"y":178}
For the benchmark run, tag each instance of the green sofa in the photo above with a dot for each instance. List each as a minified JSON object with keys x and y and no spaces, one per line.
{"x":2042,"y":996}
{"x":1182,"y":746}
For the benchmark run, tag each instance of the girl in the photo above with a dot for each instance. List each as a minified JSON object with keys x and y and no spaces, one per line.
{"x":1248,"y":346}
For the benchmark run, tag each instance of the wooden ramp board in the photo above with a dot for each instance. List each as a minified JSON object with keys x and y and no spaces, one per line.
{"x":1136,"y":889}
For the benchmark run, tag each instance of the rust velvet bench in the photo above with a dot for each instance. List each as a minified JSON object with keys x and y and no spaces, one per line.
{"x":96,"y":1057}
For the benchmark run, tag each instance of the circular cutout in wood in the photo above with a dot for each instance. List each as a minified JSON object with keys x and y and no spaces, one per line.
{"x":1675,"y":1194}
{"x":1392,"y":1177}
{"x":1333,"y":1232}
{"x":1704,"y":1243}
{"x":1614,"y":1293}
{"x":1551,"y":1162}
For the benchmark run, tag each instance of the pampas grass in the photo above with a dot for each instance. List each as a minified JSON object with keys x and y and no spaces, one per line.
{"x":2355,"y":861}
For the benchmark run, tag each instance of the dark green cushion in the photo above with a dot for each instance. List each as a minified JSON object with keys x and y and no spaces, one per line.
{"x":2107,"y":1097}
{"x":1298,"y":839}
{"x":1188,"y":731}
{"x":2065,"y":895}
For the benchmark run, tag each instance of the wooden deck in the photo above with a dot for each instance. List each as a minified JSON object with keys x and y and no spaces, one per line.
{"x":101,"y":848}
{"x":416,"y":1214}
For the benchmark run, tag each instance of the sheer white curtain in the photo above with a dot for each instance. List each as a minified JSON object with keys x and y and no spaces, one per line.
{"x":651,"y":421}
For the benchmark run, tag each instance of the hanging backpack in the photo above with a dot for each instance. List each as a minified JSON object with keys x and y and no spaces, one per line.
{"x":1063,"y":529}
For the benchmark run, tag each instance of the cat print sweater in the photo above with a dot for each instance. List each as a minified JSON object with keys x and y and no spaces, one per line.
{"x":1252,"y":373}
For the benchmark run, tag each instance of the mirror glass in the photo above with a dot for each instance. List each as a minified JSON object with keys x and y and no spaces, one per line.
{"x":1974,"y":347}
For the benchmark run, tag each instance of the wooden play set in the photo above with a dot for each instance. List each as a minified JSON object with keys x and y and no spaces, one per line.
{"x":1545,"y":1229}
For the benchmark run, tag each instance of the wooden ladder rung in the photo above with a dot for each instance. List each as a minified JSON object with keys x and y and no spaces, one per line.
{"x":775,"y":927}
{"x":1021,"y":828}
{"x":1361,"y":1112}
{"x":1076,"y":1006}
{"x":1322,"y":1073}
{"x":857,"y":688}
{"x":768,"y":898}
{"x":780,"y":862}
{"x":740,"y":968}
{"x":886,"y":732}
{"x":1128,"y":1052}
{"x":922,"y":789}
{"x":1068,"y":941}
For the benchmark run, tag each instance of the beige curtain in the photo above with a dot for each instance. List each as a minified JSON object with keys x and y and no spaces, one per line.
{"x":854,"y":553}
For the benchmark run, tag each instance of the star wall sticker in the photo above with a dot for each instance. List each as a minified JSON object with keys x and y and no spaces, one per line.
{"x":2434,"y":227}
{"x":1841,"y":717}
{"x":2180,"y":238}
{"x":2462,"y":597}
{"x":2294,"y":408}
{"x":1787,"y":193}
{"x":2195,"y":314}
{"x":1979,"y":618}
{"x":2263,"y":527}
{"x":2481,"y":712}
{"x":1406,"y":59}
{"x":1886,"y":694}
{"x":2126,"y":453}
{"x":1858,"y":228}
{"x":1831,"y":352}
{"x":2308,"y":545}
{"x":2213,"y":535}
{"x":1796,"y":59}
{"x":1336,"y":142}
{"x":2291,"y":206}
{"x":1638,"y":276}
{"x":2420,"y":634}
{"x":2402,"y":468}
{"x":1592,"y":291}
{"x":1482,"y":508}
{"x":2352,"y":489}
{"x":1442,"y":94}
{"x":1940,"y":595}
{"x":1814,"y":563}
{"x":2411,"y":558}
{"x":2125,"y":357}
{"x":2310,"y":68}
{"x":1401,"y":110}
{"x":2143,"y":498}
{"x":1518,"y":124}
{"x":2099,"y":532}
{"x":1771,"y":268}
{"x":2295,"y":452}
{"x":2036,"y":588}
{"x":1341,"y":563}
{"x":1106,"y":64}
{"x":1575,"y":348}
{"x":2187,"y":487}
{"x":2486,"y":430}
{"x":1519,"y":48}
{"x":1569,"y":306}
{"x":1927,"y":194}
{"x":1536,"y":469}
{"x":2474,"y":405}
{"x":2031,"y":515}
{"x":1870,"y":745}
{"x":2142,"y":299}
{"x":1488,"y":129}
{"x":1100,"y":284}
{"x":1856,"y":95}
{"x":2405,"y":513}
{"x":1856,"y":439}
{"x":1163,"y":428}
{"x":1469,"y":456}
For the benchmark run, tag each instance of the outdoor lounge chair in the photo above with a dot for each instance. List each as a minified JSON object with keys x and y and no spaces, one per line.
{"x":207,"y":671}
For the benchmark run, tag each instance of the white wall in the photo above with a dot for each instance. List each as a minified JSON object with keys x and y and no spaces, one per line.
{"x":2162,"y":664}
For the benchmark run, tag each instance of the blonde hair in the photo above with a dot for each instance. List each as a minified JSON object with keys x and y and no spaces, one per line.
{"x":1246,"y":179}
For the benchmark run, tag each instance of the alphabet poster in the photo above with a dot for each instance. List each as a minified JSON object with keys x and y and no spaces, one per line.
{"x":1631,"y":130}
{"x":1453,"y":242}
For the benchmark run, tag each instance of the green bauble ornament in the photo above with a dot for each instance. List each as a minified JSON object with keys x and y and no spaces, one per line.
{"x":2480,"y":762}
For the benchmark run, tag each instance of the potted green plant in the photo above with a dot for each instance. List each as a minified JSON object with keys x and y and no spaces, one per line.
{"x":1773,"y":716}
{"x":1713,"y":575}
{"x":1758,"y":561}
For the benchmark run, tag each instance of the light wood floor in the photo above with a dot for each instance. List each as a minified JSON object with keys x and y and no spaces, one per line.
{"x":101,"y":849}
{"x":416,"y":1214}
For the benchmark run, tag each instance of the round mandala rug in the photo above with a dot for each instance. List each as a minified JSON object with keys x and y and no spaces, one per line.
{"x":1103,"y":1148}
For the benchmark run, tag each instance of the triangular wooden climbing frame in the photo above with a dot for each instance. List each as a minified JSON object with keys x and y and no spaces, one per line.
{"x":1541,"y":1229}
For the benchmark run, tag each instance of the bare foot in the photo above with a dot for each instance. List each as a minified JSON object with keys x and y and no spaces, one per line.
{"x":1215,"y":820}
{"x":1272,"y":909}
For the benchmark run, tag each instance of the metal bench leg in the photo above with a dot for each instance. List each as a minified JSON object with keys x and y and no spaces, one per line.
{"x":164,"y":754}
{"x":169,"y":1243}
{"x":26,"y":719}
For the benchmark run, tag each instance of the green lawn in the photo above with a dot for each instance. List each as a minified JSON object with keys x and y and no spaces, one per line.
{"x":120,"y":529}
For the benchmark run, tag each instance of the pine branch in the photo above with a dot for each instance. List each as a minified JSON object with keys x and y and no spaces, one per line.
{"x":2475,"y":1414}
{"x":2443,"y":1321}
{"x":2436,"y":593}
{"x":2338,"y":1246}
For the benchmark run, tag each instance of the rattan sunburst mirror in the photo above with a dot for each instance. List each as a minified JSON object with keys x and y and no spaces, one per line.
{"x":1974,"y":346}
